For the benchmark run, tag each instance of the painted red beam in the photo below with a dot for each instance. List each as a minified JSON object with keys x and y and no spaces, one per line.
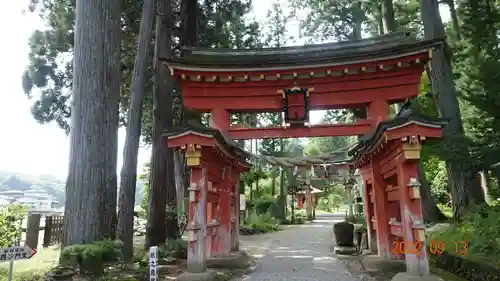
{"x":274,"y":103}
{"x":331,"y":130}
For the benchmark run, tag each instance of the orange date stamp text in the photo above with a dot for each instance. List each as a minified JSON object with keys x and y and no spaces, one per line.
{"x":434,"y":247}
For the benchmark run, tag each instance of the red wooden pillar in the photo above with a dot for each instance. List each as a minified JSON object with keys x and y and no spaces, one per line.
{"x":235,"y":211}
{"x":381,"y":216}
{"x":225,"y":218}
{"x":377,"y":111}
{"x":220,"y":119}
{"x":417,"y":263}
{"x":197,"y":224}
{"x":212,"y":244}
{"x":365,"y":175}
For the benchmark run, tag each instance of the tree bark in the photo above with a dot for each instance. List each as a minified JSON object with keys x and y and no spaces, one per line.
{"x":357,"y":25}
{"x":189,"y":10}
{"x":128,"y":176}
{"x":388,"y":16}
{"x":90,"y":207}
{"x":165,"y":51}
{"x":462,"y":176}
{"x":179,"y":180}
{"x":380,"y":20}
{"x":454,"y":18}
{"x":161,"y":179}
{"x":389,"y":25}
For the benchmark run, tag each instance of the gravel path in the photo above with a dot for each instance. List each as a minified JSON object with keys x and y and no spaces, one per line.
{"x":297,"y":253}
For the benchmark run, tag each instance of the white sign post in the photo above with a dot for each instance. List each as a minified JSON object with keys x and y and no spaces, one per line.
{"x":15,"y":253}
{"x":153,"y":263}
{"x":242,"y":202}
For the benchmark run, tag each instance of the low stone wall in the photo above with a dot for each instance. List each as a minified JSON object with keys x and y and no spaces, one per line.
{"x":465,"y":268}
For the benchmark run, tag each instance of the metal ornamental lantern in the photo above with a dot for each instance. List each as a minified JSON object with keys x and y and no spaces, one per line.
{"x":296,"y":107}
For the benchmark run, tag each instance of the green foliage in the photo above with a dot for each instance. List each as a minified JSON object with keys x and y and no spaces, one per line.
{"x":331,"y":202}
{"x":298,"y":217}
{"x":262,"y":223}
{"x":435,"y":172}
{"x":480,"y":230}
{"x":277,"y":20}
{"x":256,"y":173}
{"x":42,"y":183}
{"x":10,"y":224}
{"x":220,"y":24}
{"x":144,"y":177}
{"x":90,"y":258}
{"x":266,"y":204}
{"x":173,"y":248}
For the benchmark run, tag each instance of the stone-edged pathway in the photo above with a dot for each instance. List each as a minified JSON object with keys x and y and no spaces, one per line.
{"x":301,"y":252}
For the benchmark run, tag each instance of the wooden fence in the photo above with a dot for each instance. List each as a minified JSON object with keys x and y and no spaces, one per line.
{"x":52,"y":230}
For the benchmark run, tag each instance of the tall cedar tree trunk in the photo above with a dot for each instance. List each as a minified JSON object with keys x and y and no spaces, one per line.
{"x":358,"y":16}
{"x":161,"y":179}
{"x":454,"y":18}
{"x":189,"y":10}
{"x":189,"y":37}
{"x":90,"y":212}
{"x":165,"y":51}
{"x":462,"y":176}
{"x":388,"y":16}
{"x":389,"y":22}
{"x":431,"y":212}
{"x":128,"y":176}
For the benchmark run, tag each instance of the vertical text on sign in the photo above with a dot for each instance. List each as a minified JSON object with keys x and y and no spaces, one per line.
{"x":153,"y":258}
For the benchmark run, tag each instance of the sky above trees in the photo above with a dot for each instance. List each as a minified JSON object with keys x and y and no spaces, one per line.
{"x":25,"y":145}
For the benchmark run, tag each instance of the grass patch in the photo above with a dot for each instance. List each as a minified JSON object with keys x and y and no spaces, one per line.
{"x":23,"y":276}
{"x":480,"y":229}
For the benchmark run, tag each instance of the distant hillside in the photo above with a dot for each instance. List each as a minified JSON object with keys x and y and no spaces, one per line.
{"x":51,"y":185}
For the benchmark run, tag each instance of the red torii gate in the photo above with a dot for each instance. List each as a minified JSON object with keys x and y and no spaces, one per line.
{"x":215,"y":165}
{"x":371,"y":73}
{"x":388,"y":161}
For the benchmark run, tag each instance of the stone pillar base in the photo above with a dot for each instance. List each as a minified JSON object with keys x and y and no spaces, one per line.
{"x":403,"y":276}
{"x":208,"y":275}
{"x":236,"y":260}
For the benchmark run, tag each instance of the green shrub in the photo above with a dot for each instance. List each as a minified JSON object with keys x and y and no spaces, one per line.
{"x":90,"y":258}
{"x":259,"y":224}
{"x":171,"y":249}
{"x":174,"y":248}
{"x":266,"y":204}
{"x":10,"y":224}
{"x":299,"y":217}
{"x":480,"y":229}
{"x":249,"y":204}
